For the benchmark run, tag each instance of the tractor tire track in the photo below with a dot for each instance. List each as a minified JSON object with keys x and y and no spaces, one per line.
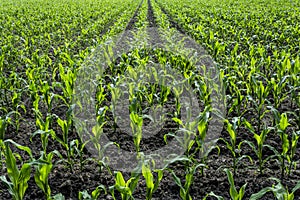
{"x":134,"y":19}
{"x":173,"y":23}
{"x":128,"y":35}
{"x":155,"y":39}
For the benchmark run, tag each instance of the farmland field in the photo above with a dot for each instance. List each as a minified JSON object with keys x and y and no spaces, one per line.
{"x":149,"y":99}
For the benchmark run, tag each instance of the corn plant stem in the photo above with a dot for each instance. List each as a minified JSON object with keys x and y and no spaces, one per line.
{"x":282,"y":166}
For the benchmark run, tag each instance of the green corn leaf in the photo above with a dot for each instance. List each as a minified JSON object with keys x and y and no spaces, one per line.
{"x":177,"y":120}
{"x":84,"y":195}
{"x":285,"y":144}
{"x":146,"y":171}
{"x":58,"y":197}
{"x":283,"y":124}
{"x":233,"y":192}
{"x":120,"y":180}
{"x":12,"y":169}
{"x":96,"y":193}
{"x":289,"y":196}
{"x":214,"y":195}
{"x":176,"y":179}
{"x":159,"y":178}
{"x":249,"y":126}
{"x":23,"y":179}
{"x":258,"y":139}
{"x":62,"y":124}
{"x":42,"y":173}
{"x":279,"y":191}
{"x":260,"y":194}
{"x":132,"y":183}
{"x":188,"y":180}
{"x":2,"y":128}
{"x":8,"y":184}
{"x":297,"y":186}
{"x":231,"y":131}
{"x":23,"y":148}
{"x":242,"y":191}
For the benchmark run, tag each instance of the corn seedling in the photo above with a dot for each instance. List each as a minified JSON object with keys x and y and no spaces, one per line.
{"x":258,"y":97}
{"x":293,"y":149}
{"x":126,"y":189}
{"x":65,"y":126}
{"x":136,"y":123}
{"x":42,"y":173}
{"x":279,"y":191}
{"x":235,"y":149}
{"x":189,"y":178}
{"x":18,"y":178}
{"x":3,"y":126}
{"x":150,"y":183}
{"x":283,"y":124}
{"x":260,"y":143}
{"x":234,"y":194}
{"x":94,"y":195}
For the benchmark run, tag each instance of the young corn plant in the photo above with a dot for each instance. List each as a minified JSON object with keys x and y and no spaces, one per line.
{"x":294,"y":79}
{"x":97,"y":133}
{"x":44,"y":137}
{"x":135,"y":98}
{"x":3,"y":126}
{"x":235,"y":149}
{"x":151,"y":95}
{"x":293,"y":150}
{"x":42,"y":173}
{"x":6,"y":120}
{"x":65,"y":125}
{"x":48,"y":96}
{"x":126,"y":189}
{"x":177,"y":92}
{"x":258,"y":99}
{"x":237,"y":100}
{"x":186,"y":141}
{"x":68,"y":78}
{"x":279,"y":191}
{"x":43,"y":124}
{"x":278,"y":90}
{"x":84,"y":195}
{"x":101,"y":96}
{"x":16,"y":102}
{"x":115,"y":95}
{"x":203,"y":147}
{"x":18,"y":178}
{"x":136,"y":123}
{"x":285,"y":143}
{"x":77,"y":150}
{"x":150,"y":183}
{"x":189,"y":179}
{"x":234,"y":194}
{"x":260,"y":143}
{"x":289,"y":147}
